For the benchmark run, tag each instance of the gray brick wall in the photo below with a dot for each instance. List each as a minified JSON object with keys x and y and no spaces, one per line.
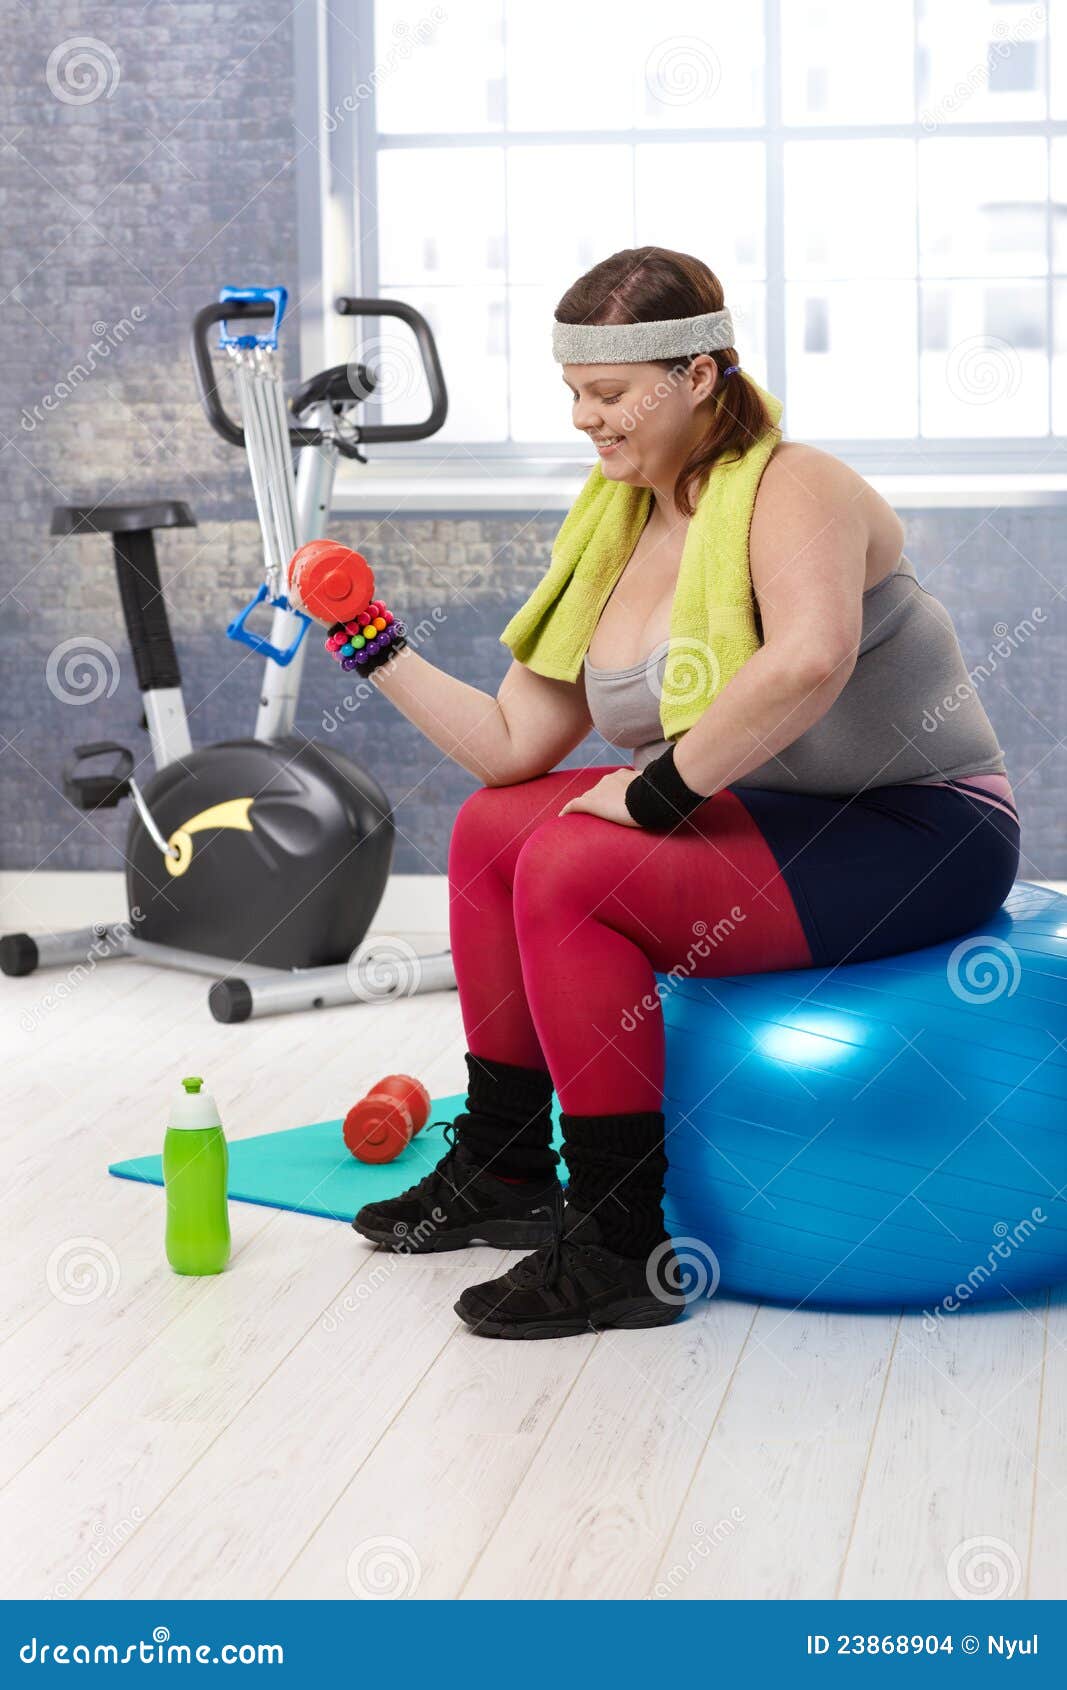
{"x":130,"y":209}
{"x":139,"y":173}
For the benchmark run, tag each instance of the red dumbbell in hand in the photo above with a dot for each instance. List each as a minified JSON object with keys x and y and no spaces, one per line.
{"x":336,"y":585}
{"x":330,"y":581}
{"x":383,"y":1123}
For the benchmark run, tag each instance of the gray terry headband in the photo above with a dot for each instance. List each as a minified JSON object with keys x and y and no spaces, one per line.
{"x":640,"y":343}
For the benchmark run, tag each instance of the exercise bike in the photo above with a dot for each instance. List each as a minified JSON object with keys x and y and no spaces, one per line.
{"x":270,"y":852}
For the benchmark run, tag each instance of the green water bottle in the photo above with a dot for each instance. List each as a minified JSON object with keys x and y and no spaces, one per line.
{"x":195,"y":1163}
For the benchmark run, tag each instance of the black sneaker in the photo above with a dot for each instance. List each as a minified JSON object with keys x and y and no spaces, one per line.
{"x":575,"y":1284}
{"x":459,"y":1203}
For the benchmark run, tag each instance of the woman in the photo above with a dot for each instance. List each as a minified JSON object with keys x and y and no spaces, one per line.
{"x":737,"y":613}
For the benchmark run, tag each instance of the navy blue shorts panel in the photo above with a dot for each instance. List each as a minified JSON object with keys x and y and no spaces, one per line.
{"x":888,"y":870}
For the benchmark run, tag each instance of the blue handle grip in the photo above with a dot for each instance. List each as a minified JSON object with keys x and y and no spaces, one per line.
{"x":278,"y":297}
{"x":283,"y":656}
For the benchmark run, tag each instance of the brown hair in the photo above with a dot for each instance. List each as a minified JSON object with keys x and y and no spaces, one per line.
{"x":648,"y":284}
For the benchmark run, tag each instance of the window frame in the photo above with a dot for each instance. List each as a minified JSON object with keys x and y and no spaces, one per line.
{"x":336,"y":179}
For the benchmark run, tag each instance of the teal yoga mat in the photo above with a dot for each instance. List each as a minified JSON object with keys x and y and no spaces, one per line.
{"x":309,"y":1170}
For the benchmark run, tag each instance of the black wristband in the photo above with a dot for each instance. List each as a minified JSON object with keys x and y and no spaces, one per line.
{"x":658,"y":798}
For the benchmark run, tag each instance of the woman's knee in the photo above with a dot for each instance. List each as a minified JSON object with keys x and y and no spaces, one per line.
{"x":477,"y":825}
{"x":492,"y":824}
{"x":556,"y":867}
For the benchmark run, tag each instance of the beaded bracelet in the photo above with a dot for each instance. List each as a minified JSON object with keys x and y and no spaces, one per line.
{"x":368,"y":641}
{"x":658,"y":798}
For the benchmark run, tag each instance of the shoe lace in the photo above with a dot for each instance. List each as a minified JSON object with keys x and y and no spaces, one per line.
{"x":439,"y":1180}
{"x":544,"y":1267}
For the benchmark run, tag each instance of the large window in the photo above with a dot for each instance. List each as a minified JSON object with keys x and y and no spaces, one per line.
{"x":882,"y":190}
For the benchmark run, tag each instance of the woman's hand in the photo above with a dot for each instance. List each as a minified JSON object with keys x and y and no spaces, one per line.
{"x":606,"y":799}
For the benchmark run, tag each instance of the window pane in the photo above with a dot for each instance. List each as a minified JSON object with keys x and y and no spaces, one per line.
{"x":984,"y":369}
{"x":540,"y":404}
{"x":981,"y":61}
{"x":469,"y":327}
{"x":442,"y":74}
{"x":678,"y":65}
{"x":748,"y":309}
{"x":1057,"y":10}
{"x":849,"y":208}
{"x":1059,"y":203}
{"x":698,"y":66}
{"x":843,"y":62}
{"x":982,"y":206}
{"x":567,"y":212}
{"x":1059,"y":359}
{"x":850,"y":350}
{"x":441,"y":215}
{"x":726,"y":229}
{"x":570,"y":66}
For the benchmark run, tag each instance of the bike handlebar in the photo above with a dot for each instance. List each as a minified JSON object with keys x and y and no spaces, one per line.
{"x":348,"y":306}
{"x":232,"y":432}
{"x":204,"y":370}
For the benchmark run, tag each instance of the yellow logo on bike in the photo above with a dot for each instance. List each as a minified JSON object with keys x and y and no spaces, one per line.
{"x":233,"y":812}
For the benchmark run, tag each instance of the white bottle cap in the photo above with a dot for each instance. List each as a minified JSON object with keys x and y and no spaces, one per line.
{"x":193,"y":1109}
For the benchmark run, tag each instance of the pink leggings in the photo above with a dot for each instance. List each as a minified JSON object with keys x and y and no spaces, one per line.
{"x":559,"y":925}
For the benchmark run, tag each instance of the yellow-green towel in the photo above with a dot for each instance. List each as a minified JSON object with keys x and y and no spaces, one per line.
{"x":713,"y":627}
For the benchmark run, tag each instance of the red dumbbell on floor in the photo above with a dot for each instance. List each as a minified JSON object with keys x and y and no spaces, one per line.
{"x":383,"y":1123}
{"x":336,"y":585}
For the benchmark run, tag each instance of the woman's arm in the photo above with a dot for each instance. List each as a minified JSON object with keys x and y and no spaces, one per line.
{"x":523,"y":732}
{"x":810,"y":594}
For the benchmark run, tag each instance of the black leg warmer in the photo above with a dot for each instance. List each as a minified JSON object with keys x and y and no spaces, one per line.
{"x":617,"y":1165}
{"x":507,"y":1126}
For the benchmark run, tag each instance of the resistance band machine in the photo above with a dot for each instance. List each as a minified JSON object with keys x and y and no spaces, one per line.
{"x":271,"y":853}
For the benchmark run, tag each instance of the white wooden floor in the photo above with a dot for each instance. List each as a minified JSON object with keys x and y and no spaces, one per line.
{"x":316,"y":1422}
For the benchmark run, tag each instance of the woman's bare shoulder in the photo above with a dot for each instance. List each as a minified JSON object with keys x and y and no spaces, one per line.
{"x":809,"y":467}
{"x":801,"y":486}
{"x":800,"y":480}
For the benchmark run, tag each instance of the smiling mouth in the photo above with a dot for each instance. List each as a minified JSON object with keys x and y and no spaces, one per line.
{"x":607,"y":439}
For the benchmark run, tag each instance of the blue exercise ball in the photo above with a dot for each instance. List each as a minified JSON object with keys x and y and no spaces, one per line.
{"x":882,"y":1134}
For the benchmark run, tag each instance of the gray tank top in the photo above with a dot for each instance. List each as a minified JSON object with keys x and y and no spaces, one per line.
{"x":909,"y":710}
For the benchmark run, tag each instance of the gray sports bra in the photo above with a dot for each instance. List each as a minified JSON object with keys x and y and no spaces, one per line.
{"x":909,"y":710}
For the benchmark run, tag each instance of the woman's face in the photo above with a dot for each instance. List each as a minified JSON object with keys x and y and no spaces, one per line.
{"x":643,"y":420}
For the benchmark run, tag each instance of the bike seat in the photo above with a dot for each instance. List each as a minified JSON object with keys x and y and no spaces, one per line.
{"x":122,"y":519}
